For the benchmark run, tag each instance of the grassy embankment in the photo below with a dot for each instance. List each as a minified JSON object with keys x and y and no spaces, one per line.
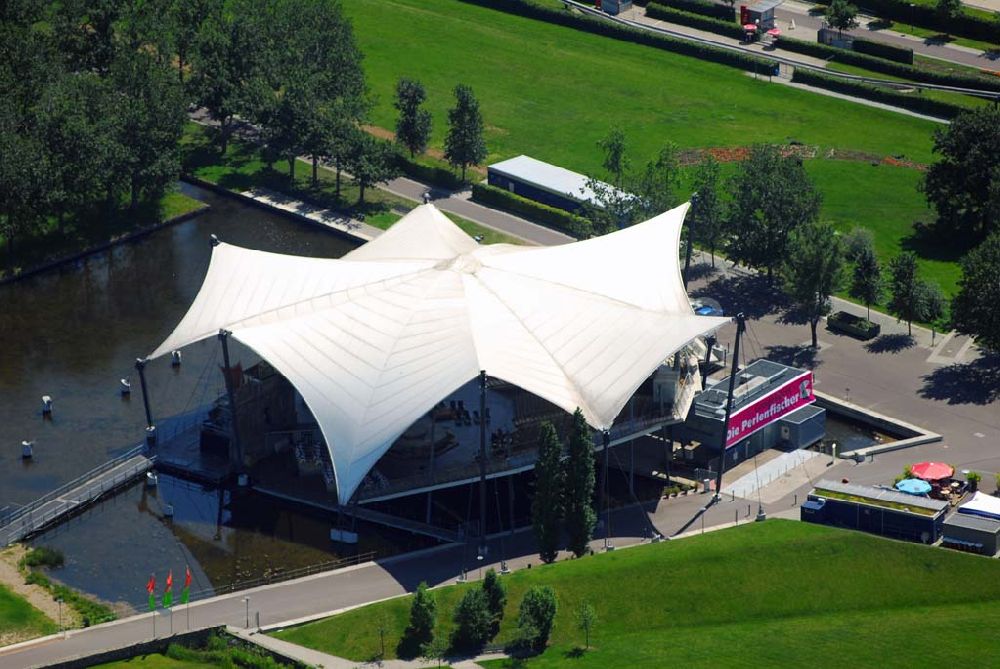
{"x":20,"y":620}
{"x":553,"y":92}
{"x":779,"y":593}
{"x":242,"y":169}
{"x":48,"y":243}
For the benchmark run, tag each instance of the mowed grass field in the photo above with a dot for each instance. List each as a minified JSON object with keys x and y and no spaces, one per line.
{"x":553,"y":92}
{"x":19,"y":620}
{"x":779,"y":593}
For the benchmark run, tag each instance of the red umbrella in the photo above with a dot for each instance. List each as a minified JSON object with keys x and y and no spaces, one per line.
{"x":774,"y":32}
{"x":750,"y":27}
{"x":932,"y":471}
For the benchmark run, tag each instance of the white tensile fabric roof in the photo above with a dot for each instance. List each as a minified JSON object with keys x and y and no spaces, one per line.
{"x":375,"y":339}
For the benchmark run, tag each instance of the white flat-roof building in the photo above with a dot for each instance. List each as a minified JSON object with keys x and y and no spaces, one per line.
{"x":543,"y":182}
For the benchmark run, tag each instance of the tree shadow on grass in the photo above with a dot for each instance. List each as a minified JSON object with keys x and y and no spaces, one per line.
{"x":754,"y":295}
{"x":890,"y":343}
{"x":574,"y":653}
{"x":794,"y":356}
{"x":976,"y":382}
{"x":932,"y":243}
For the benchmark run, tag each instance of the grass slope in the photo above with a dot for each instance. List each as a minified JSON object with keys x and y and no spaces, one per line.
{"x":19,"y":619}
{"x":553,"y":92}
{"x":780,"y":593}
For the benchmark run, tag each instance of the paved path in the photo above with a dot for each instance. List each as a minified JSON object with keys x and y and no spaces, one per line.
{"x":328,"y":218}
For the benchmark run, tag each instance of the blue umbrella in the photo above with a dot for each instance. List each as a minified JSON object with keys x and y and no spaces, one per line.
{"x":914,"y":486}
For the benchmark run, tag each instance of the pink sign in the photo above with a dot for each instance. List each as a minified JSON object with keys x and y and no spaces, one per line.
{"x":788,"y":397}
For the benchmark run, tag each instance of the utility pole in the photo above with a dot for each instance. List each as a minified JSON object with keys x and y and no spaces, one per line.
{"x":690,"y":240}
{"x":740,"y":328}
{"x":608,"y":545}
{"x":140,"y":366}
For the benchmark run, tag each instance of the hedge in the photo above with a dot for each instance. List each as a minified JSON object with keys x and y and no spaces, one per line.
{"x":705,"y":8}
{"x":915,"y":103}
{"x":436,"y":176}
{"x":889,"y":67}
{"x":664,"y":13}
{"x":883,"y":50}
{"x":926,"y":16}
{"x":564,"y":221}
{"x":590,"y":24}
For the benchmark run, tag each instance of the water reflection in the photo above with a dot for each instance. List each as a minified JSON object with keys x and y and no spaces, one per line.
{"x":72,"y":333}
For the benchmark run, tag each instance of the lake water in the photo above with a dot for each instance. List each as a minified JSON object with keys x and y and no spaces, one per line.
{"x":72,"y":333}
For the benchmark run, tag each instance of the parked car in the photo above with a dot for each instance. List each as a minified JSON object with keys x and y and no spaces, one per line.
{"x":856,"y":326}
{"x":706,"y":306}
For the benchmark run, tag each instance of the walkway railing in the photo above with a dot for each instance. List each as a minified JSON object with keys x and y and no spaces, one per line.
{"x":283,"y":576}
{"x":89,"y":488}
{"x":22,"y":511}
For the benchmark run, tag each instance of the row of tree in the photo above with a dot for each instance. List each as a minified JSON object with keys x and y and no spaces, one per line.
{"x":88,"y":117}
{"x":564,"y":489}
{"x":477,"y":619}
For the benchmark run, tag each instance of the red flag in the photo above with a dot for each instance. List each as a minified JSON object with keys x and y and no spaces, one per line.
{"x":187,"y":577}
{"x":170,"y":581}
{"x":151,"y":584}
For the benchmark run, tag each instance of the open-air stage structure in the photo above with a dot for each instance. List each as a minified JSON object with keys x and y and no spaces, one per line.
{"x":423,"y":360}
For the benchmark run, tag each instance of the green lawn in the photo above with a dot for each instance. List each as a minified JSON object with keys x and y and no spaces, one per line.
{"x":553,"y":92}
{"x":20,"y":619}
{"x":49,"y":243}
{"x":779,"y":593}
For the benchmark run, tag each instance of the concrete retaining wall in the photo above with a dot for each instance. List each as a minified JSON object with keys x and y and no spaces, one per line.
{"x":912,"y":435}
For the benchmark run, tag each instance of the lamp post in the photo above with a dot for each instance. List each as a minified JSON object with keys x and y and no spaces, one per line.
{"x":246,"y":600}
{"x":62,"y":630}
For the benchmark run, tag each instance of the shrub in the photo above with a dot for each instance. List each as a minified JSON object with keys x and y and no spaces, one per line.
{"x":966,"y":24}
{"x":44,"y":557}
{"x":705,"y":8}
{"x":430,"y":174}
{"x":870,"y":92}
{"x":529,"y":9}
{"x":571,"y":224}
{"x":496,"y":597}
{"x":473,"y":621}
{"x":537,"y":613}
{"x":420,"y":630}
{"x":700,"y":21}
{"x":883,"y":50}
{"x":884,"y":66}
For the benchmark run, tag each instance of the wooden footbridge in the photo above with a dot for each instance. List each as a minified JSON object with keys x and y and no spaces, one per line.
{"x":72,"y":498}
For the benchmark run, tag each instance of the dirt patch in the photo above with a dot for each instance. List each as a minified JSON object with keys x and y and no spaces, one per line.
{"x":437,"y":154}
{"x":732,"y":154}
{"x":36,"y":595}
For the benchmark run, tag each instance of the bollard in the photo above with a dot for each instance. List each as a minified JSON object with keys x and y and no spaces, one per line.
{"x":796,"y":502}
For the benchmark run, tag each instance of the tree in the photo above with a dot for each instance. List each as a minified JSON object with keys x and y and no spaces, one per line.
{"x":187,"y":17}
{"x":580,"y":517}
{"x":413,"y":127}
{"x":436,"y":650}
{"x":948,"y":9}
{"x":149,"y":120}
{"x":371,"y":162}
{"x":382,"y":626}
{"x":707,"y":210}
{"x":420,"y":630}
{"x":538,"y":612}
{"x":858,"y":241}
{"x":546,"y":505}
{"x":473,"y":621}
{"x":586,"y":620}
{"x":964,"y":185}
{"x":842,"y":15}
{"x":616,"y":161}
{"x":229,"y":62}
{"x":496,"y":598}
{"x":464,"y":144}
{"x":867,"y":283}
{"x":813,"y":271}
{"x":974,"y":308}
{"x":772,"y":195}
{"x":23,"y":176}
{"x":910,"y":295}
{"x":655,"y":189}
